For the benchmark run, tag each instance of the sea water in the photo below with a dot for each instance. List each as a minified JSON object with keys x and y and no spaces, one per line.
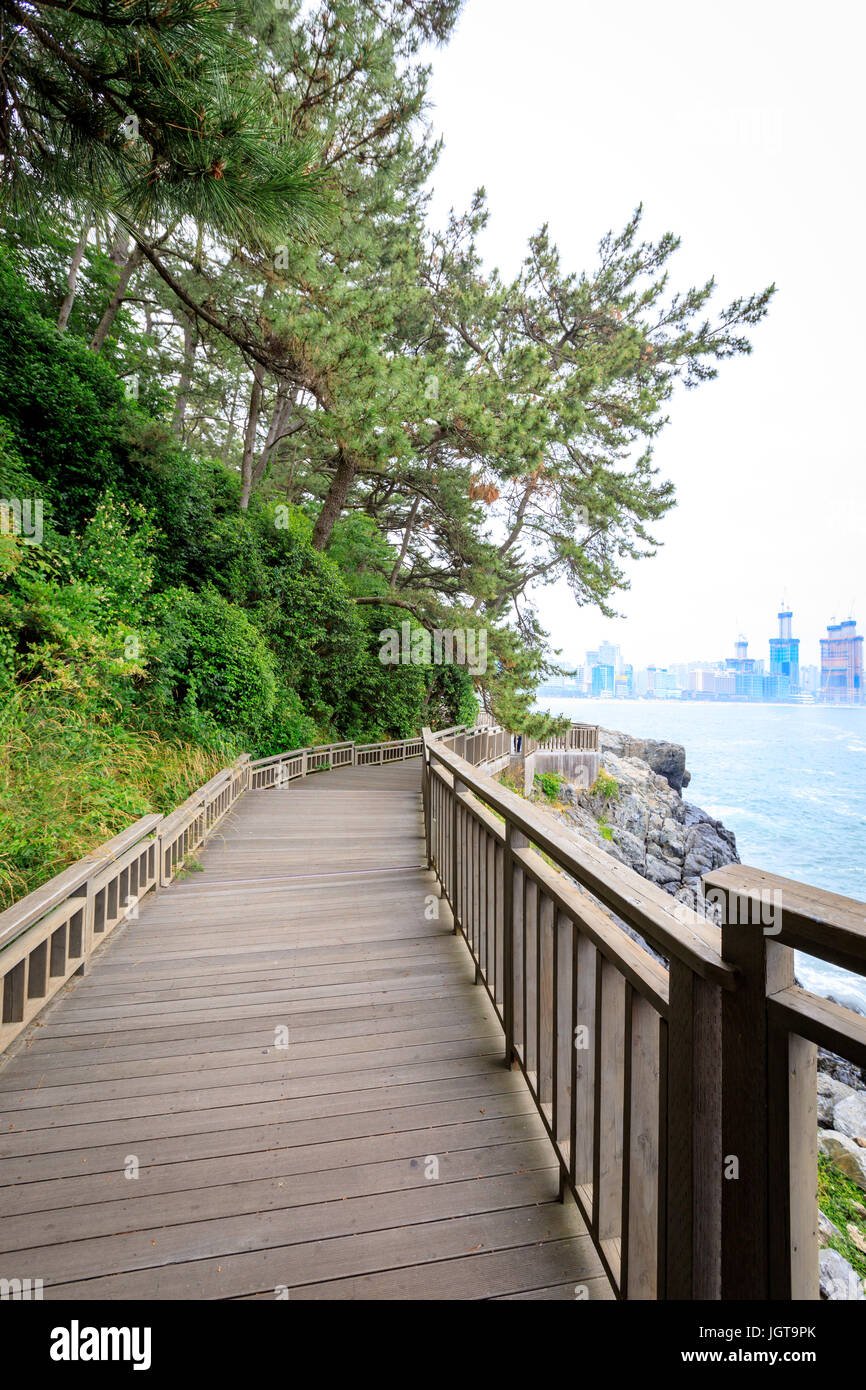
{"x":789,"y":780}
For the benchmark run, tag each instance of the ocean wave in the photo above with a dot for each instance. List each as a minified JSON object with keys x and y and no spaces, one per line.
{"x":840,"y":986}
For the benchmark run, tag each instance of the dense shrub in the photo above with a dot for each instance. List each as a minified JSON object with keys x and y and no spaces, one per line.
{"x":157,"y":631}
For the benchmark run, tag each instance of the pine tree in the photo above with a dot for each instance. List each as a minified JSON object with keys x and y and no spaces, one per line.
{"x":152,"y":113}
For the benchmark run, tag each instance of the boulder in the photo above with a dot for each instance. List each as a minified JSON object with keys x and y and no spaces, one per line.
{"x":849,"y":1115}
{"x":660,"y":871}
{"x":847,"y":1155}
{"x":666,"y":759}
{"x":838,"y":1279}
{"x":856,"y":1237}
{"x":830,"y":1092}
{"x":827,"y":1231}
{"x":832,"y":1065}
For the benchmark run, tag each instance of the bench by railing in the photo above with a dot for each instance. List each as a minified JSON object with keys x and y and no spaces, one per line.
{"x":50,"y":935}
{"x":654,"y":1083}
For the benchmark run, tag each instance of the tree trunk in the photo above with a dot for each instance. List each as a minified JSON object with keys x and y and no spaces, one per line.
{"x":133,"y":261}
{"x":250,"y":435}
{"x":335,"y":501}
{"x":120,"y":246}
{"x":190,"y":342}
{"x":283,"y":408}
{"x":407,"y":534}
{"x":72,"y":281}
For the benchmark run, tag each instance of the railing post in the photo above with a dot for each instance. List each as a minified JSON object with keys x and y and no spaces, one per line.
{"x":304,"y":752}
{"x":761,"y":1072}
{"x":514,"y":839}
{"x":425,"y":796}
{"x":458,"y":793}
{"x":693,"y":1138}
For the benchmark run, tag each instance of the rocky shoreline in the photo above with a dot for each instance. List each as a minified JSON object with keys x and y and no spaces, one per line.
{"x":648,"y":825}
{"x":636,"y":813}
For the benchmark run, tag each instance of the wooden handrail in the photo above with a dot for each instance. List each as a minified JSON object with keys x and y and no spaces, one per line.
{"x":669,"y":926}
{"x":808,"y":919}
{"x":15,"y":919}
{"x":711,"y":1059}
{"x":50,"y":935}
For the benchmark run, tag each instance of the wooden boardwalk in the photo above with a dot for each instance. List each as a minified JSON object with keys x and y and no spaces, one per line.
{"x":307,"y":1169}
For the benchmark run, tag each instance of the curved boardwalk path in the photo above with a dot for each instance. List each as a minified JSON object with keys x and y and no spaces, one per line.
{"x":297,"y":1170}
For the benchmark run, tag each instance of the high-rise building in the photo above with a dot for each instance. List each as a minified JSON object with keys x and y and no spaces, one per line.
{"x":748,"y":684}
{"x":602,"y":680}
{"x":785,"y":656}
{"x":842,"y":664}
{"x":702,"y":682}
{"x":610,"y":655}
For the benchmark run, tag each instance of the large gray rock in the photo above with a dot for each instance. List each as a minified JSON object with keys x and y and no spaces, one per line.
{"x":832,"y":1065}
{"x":668,"y":760}
{"x":849,"y":1115}
{"x":838,"y":1279}
{"x":662,"y":872}
{"x":830,"y":1092}
{"x":647,"y":825}
{"x":827,"y":1231}
{"x":845,"y":1153}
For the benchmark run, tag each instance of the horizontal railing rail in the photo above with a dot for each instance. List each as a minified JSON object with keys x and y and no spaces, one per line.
{"x":580,"y":737}
{"x":49,"y":935}
{"x":638,"y":1068}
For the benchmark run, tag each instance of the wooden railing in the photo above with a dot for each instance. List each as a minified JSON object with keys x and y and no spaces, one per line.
{"x":50,"y":935}
{"x":679,"y":1097}
{"x":771,"y":1031}
{"x":582,"y":737}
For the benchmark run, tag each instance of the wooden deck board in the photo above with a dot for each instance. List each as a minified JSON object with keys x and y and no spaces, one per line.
{"x":301,"y":1167}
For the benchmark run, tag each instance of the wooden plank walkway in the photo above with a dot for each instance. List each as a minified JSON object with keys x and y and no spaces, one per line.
{"x":302,"y":1169}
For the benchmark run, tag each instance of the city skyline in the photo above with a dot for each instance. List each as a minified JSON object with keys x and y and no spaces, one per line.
{"x":784,"y":674}
{"x":576,"y":653}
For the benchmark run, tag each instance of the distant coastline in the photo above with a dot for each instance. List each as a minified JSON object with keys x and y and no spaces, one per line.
{"x":568,"y":692}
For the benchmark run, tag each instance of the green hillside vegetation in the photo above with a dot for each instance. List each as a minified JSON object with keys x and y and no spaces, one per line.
{"x":267,"y":410}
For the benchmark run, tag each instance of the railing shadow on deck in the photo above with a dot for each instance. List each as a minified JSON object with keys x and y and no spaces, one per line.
{"x":680,"y":1098}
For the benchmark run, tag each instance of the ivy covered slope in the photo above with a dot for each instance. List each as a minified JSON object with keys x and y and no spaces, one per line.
{"x":158,"y":630}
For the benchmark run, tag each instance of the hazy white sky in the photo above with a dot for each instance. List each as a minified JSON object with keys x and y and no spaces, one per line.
{"x":740,"y":126}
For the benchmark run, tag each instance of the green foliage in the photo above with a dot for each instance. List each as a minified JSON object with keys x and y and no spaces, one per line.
{"x":839,"y":1199}
{"x":549,"y":783}
{"x":605,"y":786}
{"x":114,"y":557}
{"x":212,"y":654}
{"x":156,"y":113}
{"x":325,"y":440}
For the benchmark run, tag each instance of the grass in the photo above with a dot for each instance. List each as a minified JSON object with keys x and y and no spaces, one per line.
{"x":836,"y":1198}
{"x":68,"y":782}
{"x":605,"y":786}
{"x":549,"y":783}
